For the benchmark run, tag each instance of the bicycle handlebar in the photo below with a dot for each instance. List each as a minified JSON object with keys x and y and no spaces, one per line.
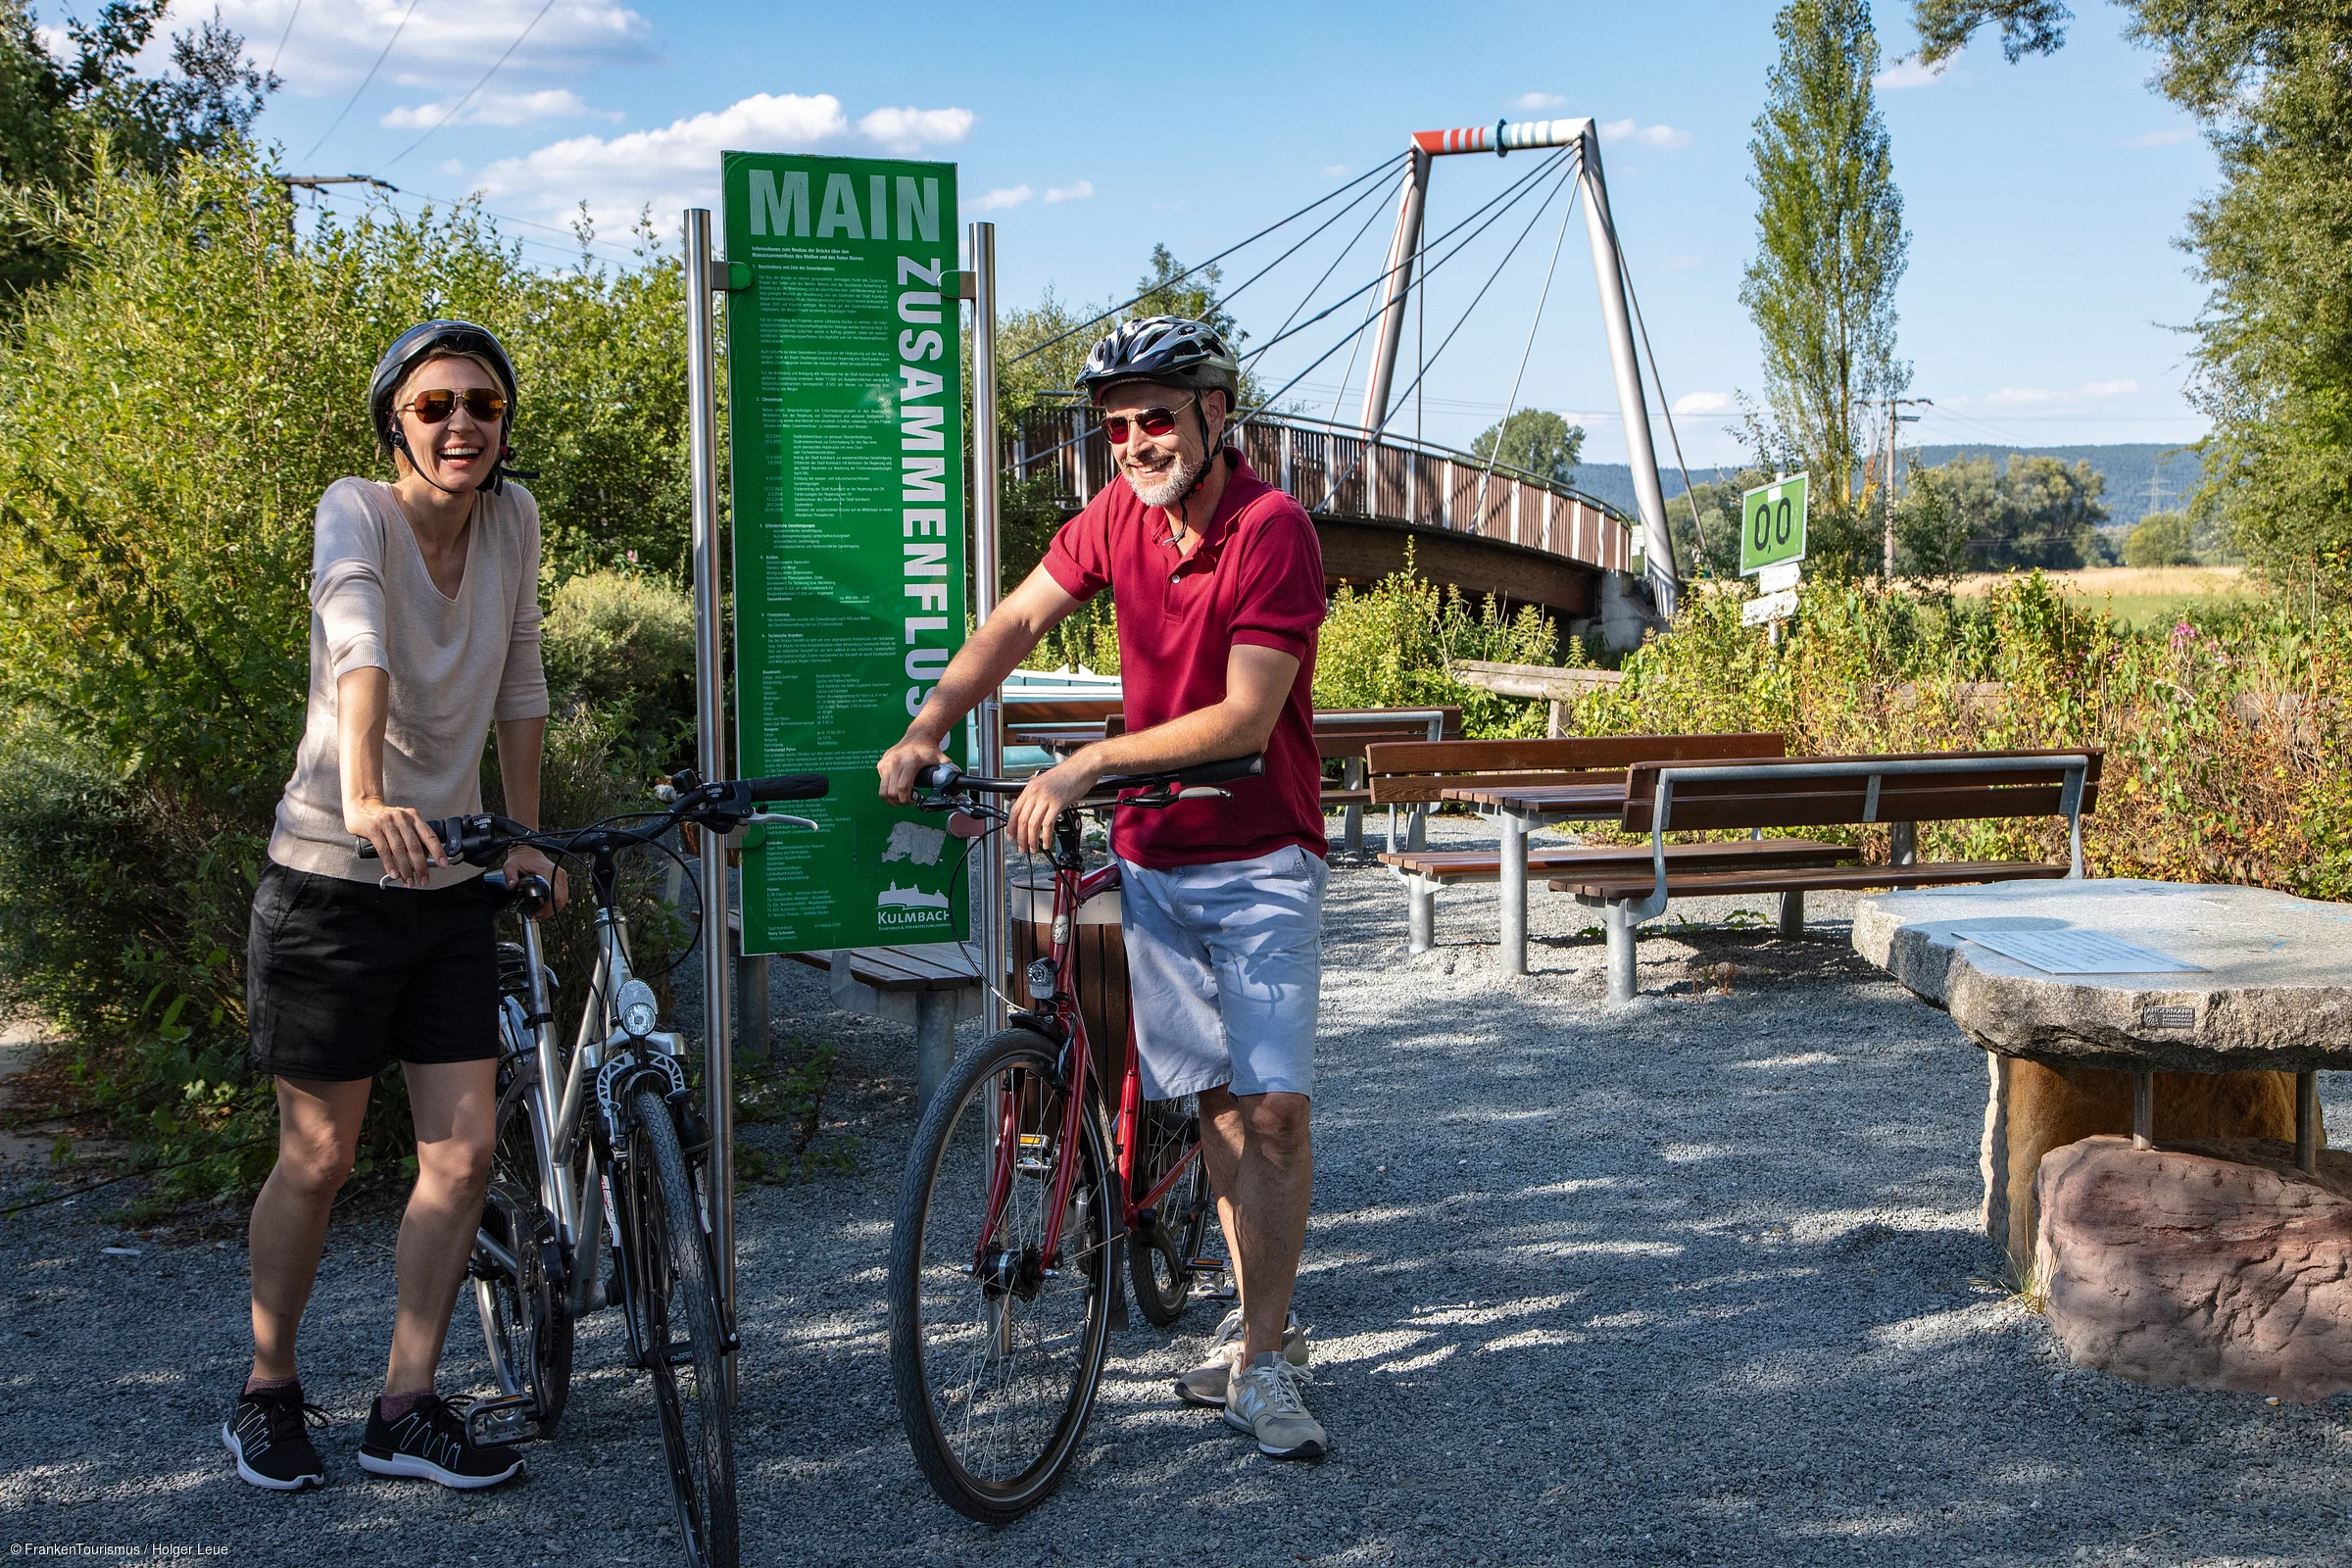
{"x":944,"y":778}
{"x":787,"y":787}
{"x":721,"y":808}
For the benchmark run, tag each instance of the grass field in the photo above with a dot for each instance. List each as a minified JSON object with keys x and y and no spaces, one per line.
{"x":2141,"y":595}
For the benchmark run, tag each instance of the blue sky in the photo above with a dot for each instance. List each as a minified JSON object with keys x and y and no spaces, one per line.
{"x":2041,"y":305}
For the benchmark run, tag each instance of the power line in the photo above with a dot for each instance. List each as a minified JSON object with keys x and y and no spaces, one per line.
{"x":282,"y":37}
{"x":364,"y":80}
{"x":477,"y":86}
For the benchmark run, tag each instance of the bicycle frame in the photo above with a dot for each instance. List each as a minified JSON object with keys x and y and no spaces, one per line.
{"x":1071,"y":889}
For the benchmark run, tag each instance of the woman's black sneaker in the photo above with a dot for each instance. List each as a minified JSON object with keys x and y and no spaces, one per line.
{"x":270,"y":1433}
{"x":431,"y":1443}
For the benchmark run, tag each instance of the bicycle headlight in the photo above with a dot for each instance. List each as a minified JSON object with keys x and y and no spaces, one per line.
{"x":1041,"y":978}
{"x":639,"y":1011}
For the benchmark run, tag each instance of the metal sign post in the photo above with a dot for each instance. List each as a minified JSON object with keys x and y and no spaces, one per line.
{"x":995,"y":945}
{"x":1772,"y":550}
{"x":710,"y":759}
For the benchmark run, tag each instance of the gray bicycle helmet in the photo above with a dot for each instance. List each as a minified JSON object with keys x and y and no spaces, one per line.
{"x":412,"y":348}
{"x":1169,"y":350}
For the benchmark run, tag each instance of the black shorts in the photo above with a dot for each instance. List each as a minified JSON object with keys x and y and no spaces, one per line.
{"x":342,"y":978}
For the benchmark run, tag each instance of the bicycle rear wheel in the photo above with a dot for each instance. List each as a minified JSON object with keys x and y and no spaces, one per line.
{"x":526,"y":1317}
{"x":995,"y":1357}
{"x":675,"y":1319}
{"x":1159,"y":1256}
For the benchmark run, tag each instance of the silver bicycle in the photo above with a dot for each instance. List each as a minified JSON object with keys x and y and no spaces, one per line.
{"x":599,"y":1186}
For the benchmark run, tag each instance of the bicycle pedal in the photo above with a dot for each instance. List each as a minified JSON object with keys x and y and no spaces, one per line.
{"x":493,"y":1422}
{"x":1205,"y":1265}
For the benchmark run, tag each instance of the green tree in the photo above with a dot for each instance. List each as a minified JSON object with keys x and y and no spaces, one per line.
{"x":1829,"y":251}
{"x":1534,"y":441}
{"x":2030,"y":511}
{"x":2159,"y":539}
{"x":53,"y":111}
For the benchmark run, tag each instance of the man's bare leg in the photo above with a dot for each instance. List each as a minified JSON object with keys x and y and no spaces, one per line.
{"x":318,"y":1131}
{"x":1262,"y":1165}
{"x":455,"y":1104}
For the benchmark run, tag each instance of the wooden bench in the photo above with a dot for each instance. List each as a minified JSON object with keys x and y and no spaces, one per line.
{"x":1800,"y":791}
{"x":1522,"y":785}
{"x":932,"y":986}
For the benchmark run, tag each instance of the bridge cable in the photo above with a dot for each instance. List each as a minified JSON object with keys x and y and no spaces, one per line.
{"x":1372,"y":437}
{"x":1665,"y":409}
{"x":1478,"y":513}
{"x":1368,"y":191}
{"x":1095,"y":320}
{"x":1345,"y":251}
{"x":1522,"y":185}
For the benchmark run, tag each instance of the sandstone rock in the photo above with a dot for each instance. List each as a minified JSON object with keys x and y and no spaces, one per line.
{"x":2034,"y":1109}
{"x":2214,"y":1264}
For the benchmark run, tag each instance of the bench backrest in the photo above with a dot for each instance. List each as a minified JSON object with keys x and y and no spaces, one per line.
{"x":1406,"y":773}
{"x":1827,"y":791}
{"x":1348,"y":731}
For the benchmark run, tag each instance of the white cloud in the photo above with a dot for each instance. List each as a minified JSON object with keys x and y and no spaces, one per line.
{"x":1077,"y":190}
{"x":678,"y":165}
{"x":500,"y":108}
{"x":2161,"y":138}
{"x":1532,"y":102}
{"x":1906,"y":73}
{"x":1333,"y":170}
{"x":2039,"y":397}
{"x":1702,"y":403}
{"x":908,"y":131}
{"x":1658,"y":136}
{"x":1000,"y":200}
{"x":443,"y":47}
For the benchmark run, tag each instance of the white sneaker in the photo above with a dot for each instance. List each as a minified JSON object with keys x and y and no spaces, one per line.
{"x":1263,"y":1401}
{"x":1204,"y":1385}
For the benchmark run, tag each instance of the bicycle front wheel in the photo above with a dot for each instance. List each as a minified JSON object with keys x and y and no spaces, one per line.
{"x":674,"y":1315}
{"x":996,"y":1347}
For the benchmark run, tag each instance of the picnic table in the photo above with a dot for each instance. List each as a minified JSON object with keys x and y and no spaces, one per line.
{"x":1518,"y":811}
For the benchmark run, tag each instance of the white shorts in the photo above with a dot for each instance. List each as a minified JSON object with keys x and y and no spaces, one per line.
{"x":1225,"y":966}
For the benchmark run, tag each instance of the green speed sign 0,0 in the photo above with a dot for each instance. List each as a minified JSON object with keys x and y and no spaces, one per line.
{"x":845,"y":416}
{"x":1772,"y":524}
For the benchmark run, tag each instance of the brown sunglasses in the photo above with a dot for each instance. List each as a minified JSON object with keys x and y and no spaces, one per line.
{"x":436,"y":406}
{"x":1152,"y":421}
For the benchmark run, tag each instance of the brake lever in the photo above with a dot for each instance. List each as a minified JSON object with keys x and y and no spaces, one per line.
{"x":778,"y":819}
{"x":1204,"y":792}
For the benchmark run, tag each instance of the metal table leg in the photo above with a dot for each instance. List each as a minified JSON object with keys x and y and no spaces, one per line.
{"x":1421,"y":914}
{"x":1617,"y":919}
{"x":2143,"y":1109}
{"x":1514,"y":893}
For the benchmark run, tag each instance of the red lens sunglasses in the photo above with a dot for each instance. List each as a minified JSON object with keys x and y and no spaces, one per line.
{"x":1152,"y":421}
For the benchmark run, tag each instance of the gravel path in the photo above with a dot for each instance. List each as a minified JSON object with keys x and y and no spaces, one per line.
{"x":1697,"y":1281}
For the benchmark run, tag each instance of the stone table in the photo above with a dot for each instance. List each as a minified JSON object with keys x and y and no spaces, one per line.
{"x":2228,"y":1053}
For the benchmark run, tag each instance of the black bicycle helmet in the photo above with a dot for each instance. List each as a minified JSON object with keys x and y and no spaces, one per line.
{"x":1169,"y":350}
{"x":418,"y":344}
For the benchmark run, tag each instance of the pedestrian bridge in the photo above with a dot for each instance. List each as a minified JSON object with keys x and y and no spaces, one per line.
{"x":1521,"y":538}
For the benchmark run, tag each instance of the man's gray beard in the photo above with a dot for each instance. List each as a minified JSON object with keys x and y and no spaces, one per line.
{"x":1180,"y":477}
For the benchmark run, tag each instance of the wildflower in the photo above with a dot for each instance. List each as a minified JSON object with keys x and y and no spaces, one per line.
{"x":2182,"y":635}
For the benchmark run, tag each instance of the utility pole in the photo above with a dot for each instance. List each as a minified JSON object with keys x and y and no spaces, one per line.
{"x":1894,"y":419}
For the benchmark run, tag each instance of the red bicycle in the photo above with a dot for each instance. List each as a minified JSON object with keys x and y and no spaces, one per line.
{"x":1026,"y":1203}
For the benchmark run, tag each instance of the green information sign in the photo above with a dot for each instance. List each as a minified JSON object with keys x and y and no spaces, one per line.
{"x":846,"y":425}
{"x":1772,"y":524}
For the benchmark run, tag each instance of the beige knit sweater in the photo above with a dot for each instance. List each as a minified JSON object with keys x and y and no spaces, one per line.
{"x":456,"y":665}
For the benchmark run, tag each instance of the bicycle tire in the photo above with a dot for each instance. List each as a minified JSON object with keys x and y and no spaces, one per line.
{"x":1160,"y":1261}
{"x":526,"y":1321}
{"x":995,"y":1386}
{"x":671,"y":1276}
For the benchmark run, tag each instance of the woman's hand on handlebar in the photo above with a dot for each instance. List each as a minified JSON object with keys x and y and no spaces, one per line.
{"x":526,"y":862}
{"x":404,"y":841}
{"x":900,"y":766}
{"x":1045,"y":796}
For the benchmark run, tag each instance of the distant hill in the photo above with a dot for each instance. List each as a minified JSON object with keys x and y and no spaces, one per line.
{"x":2143,"y":476}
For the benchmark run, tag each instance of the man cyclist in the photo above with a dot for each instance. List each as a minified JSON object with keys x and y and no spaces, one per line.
{"x":424,"y":632}
{"x":1219,"y":583}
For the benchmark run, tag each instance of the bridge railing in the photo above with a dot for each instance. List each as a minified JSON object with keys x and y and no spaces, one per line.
{"x":1333,"y":471}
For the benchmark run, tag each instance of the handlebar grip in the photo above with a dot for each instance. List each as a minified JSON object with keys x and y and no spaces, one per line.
{"x":1251,"y":766}
{"x":367,"y":850}
{"x":939,"y":778}
{"x":788,"y":787}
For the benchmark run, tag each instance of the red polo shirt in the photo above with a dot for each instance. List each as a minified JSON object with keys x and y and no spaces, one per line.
{"x":1256,"y":578}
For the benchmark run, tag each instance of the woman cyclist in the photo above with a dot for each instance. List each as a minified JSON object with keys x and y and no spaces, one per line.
{"x":424,"y":632}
